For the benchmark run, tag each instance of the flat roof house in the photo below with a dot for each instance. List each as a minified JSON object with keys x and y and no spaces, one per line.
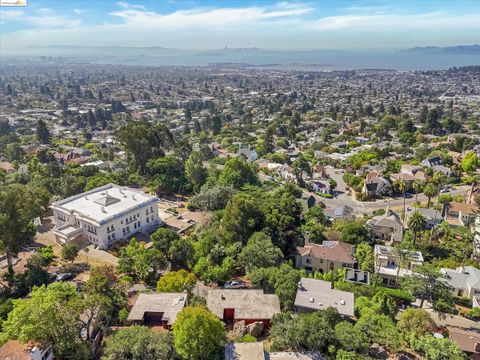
{"x":234,"y":305}
{"x":328,"y":256}
{"x":157,"y":309}
{"x":388,"y":265}
{"x":104,"y":215}
{"x":315,"y":295}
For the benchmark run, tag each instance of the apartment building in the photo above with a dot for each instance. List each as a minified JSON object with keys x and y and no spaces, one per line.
{"x":104,"y":215}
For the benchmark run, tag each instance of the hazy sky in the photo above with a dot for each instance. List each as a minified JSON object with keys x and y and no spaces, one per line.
{"x":340,"y":24}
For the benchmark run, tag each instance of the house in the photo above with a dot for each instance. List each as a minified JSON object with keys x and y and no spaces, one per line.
{"x":244,"y":351}
{"x":432,"y":217}
{"x":104,"y":215}
{"x":464,"y":281}
{"x":430,"y":162}
{"x":357,"y":276}
{"x":234,"y":305}
{"x":387,"y":227}
{"x":321,"y":186}
{"x":392,"y":263}
{"x":319,"y":172}
{"x":157,"y":309}
{"x":376,"y":185}
{"x":7,"y":167}
{"x":313,"y":295}
{"x":328,"y":256}
{"x":409,"y":173}
{"x":255,"y":351}
{"x":460,"y":214}
{"x":15,"y":350}
{"x":342,"y":212}
{"x":468,"y":340}
{"x":473,"y":193}
{"x":287,"y":173}
{"x":476,"y":237}
{"x":442,"y":169}
{"x":247,"y":153}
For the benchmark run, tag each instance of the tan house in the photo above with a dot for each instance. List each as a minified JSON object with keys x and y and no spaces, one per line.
{"x":328,"y":256}
{"x":460,"y":214}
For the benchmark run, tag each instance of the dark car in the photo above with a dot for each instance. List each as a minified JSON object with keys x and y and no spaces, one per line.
{"x":65,"y":276}
{"x":234,"y":285}
{"x":52,"y":277}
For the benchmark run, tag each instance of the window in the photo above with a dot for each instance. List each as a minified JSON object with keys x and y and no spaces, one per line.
{"x":148,"y":220}
{"x":308,"y":261}
{"x":151,"y":208}
{"x":108,"y":237}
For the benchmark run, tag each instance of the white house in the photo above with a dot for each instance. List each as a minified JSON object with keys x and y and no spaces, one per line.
{"x":104,"y":215}
{"x":464,"y":281}
{"x":389,"y":265}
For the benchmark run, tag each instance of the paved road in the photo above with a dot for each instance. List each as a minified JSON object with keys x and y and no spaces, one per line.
{"x":362,"y":207}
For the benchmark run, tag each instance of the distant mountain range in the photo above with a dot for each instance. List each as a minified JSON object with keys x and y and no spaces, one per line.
{"x":431,"y":50}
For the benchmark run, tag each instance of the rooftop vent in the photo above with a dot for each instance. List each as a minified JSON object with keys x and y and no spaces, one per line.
{"x":133,"y":197}
{"x":342,"y":302}
{"x":103,"y":210}
{"x":311,"y":300}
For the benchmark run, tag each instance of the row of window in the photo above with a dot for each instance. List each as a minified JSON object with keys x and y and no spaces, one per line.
{"x":110,"y":229}
{"x":91,"y":229}
{"x":111,"y":237}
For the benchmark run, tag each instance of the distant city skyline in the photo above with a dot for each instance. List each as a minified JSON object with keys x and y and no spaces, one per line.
{"x":284,"y":25}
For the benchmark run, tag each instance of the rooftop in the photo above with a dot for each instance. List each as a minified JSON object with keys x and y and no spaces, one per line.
{"x":104,"y":203}
{"x":330,"y":250}
{"x":170,"y":304}
{"x":248,"y":304}
{"x":244,"y":351}
{"x":318,"y":295}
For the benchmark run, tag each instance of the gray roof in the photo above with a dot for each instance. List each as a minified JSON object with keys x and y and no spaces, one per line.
{"x":248,"y":304}
{"x":244,"y":351}
{"x":170,"y":304}
{"x":319,"y":295}
{"x":462,"y":277}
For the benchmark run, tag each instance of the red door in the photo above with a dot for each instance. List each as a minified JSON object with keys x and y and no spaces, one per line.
{"x":228,"y":314}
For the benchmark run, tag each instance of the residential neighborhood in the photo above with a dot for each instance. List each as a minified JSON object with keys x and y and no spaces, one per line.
{"x":236,"y":210}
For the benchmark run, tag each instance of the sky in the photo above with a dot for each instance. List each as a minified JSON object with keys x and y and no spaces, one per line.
{"x":281,"y":25}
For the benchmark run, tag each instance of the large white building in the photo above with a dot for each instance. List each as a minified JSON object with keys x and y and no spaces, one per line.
{"x":104,"y":215}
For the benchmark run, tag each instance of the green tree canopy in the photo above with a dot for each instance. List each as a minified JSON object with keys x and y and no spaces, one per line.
{"x":138,"y":343}
{"x":176,"y":281}
{"x":198,"y":334}
{"x":260,"y":252}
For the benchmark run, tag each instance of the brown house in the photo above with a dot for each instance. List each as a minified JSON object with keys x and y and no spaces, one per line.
{"x":328,"y":256}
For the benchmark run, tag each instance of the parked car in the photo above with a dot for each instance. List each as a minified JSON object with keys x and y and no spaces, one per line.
{"x":65,"y":276}
{"x":234,"y":284}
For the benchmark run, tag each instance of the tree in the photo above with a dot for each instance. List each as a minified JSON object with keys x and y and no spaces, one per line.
{"x":426,"y":284}
{"x":353,"y":232}
{"x":139,"y":343}
{"x":163,"y":238}
{"x":176,"y":281}
{"x":198,"y":334}
{"x":350,"y":337}
{"x":283,"y":280}
{"x":19,"y":206}
{"x":169,"y":175}
{"x":418,"y":187}
{"x":50,"y":316}
{"x":260,"y":252}
{"x":470,"y":162}
{"x":70,"y":251}
{"x":430,"y":191}
{"x":181,"y":253}
{"x":43,"y":134}
{"x":305,"y":332}
{"x":143,"y":141}
{"x":141,"y":263}
{"x":364,"y":255}
{"x":438,"y":349}
{"x":415,"y":322}
{"x":214,"y":198}
{"x":380,"y":329}
{"x":237,"y":173}
{"x":416,"y":223}
{"x":402,"y":186}
{"x":195,"y":171}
